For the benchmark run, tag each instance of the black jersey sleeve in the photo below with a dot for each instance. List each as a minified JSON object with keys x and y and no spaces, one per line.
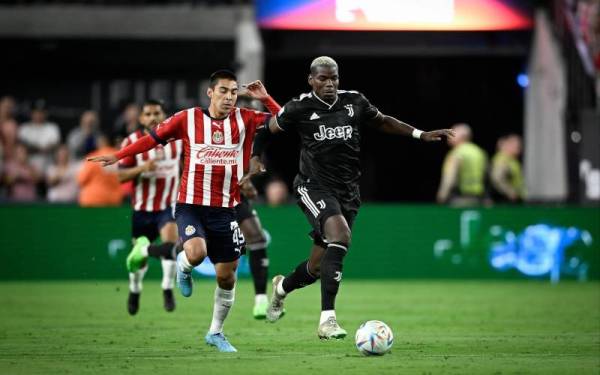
{"x":286,"y":117}
{"x":367,"y":110}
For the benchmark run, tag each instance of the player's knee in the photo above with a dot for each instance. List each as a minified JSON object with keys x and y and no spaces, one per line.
{"x":226,"y":280}
{"x":343,"y":236}
{"x":195,"y":253}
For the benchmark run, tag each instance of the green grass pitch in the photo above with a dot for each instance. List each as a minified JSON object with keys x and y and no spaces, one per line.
{"x":440,"y":327}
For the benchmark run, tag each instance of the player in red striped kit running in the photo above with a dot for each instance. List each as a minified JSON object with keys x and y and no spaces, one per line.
{"x":156,"y":176}
{"x":216,"y":150}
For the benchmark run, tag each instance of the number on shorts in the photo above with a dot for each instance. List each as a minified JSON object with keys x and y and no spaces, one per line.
{"x":238,"y":236}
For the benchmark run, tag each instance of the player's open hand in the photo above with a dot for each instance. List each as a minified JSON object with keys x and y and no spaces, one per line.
{"x":105,"y":160}
{"x":437,"y":135}
{"x":256,"y":90}
{"x":256,"y":167}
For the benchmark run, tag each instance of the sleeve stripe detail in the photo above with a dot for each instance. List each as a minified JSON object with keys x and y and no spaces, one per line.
{"x":157,"y":138}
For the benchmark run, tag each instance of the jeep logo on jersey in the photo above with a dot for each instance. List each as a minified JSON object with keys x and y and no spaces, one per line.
{"x":343,"y":132}
{"x":215,"y":156}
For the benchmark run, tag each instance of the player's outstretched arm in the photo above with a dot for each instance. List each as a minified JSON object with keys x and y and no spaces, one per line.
{"x":141,"y":145}
{"x":391,"y":125}
{"x":168,"y":129}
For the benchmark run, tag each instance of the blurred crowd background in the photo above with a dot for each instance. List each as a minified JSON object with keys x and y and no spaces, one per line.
{"x":72,"y":86}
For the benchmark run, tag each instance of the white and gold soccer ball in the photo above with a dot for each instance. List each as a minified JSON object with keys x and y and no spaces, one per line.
{"x":374,"y":338}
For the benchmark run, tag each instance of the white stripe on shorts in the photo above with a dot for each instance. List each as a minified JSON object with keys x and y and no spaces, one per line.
{"x":307,"y":201}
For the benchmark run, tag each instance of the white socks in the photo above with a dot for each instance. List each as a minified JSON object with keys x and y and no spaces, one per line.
{"x":168,"y":279}
{"x":183,"y":263}
{"x":280,"y":290}
{"x":168,"y":269}
{"x":326,"y":315}
{"x":223,"y":302}
{"x":260,"y":298}
{"x":135,"y":280}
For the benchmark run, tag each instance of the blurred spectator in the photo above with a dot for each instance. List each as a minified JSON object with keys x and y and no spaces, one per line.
{"x":8,"y":108}
{"x":62,"y":177}
{"x":8,"y":138}
{"x":506,"y":174}
{"x":463,"y":172}
{"x":127,"y":122}
{"x":276,"y":192}
{"x":82,"y":140}
{"x":19,"y":177}
{"x":41,"y":138}
{"x":99,"y":185}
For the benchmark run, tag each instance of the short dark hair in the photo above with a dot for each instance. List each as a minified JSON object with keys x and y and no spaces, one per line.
{"x":221,"y":74}
{"x":157,"y":102}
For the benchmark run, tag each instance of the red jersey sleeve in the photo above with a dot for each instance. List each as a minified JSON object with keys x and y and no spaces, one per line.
{"x":171,"y":128}
{"x":128,"y":161}
{"x":255,"y":119}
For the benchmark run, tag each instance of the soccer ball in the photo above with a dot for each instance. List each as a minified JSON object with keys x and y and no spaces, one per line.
{"x":374,"y":338}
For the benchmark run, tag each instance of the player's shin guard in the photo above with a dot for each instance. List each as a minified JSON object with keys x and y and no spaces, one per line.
{"x":168,"y":268}
{"x":135,"y":280}
{"x":299,"y":278}
{"x":223,"y":302}
{"x":165,"y":250}
{"x":259,"y":267}
{"x":331,"y":273}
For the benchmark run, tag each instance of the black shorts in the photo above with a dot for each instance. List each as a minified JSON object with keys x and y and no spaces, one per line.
{"x":244,"y":210}
{"x":149,"y":224}
{"x":319,"y":203}
{"x":218,"y":227}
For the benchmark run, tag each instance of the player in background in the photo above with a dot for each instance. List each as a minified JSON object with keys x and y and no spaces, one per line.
{"x":217,"y":142}
{"x":329,"y":122}
{"x":256,"y":248}
{"x":156,"y":179}
{"x":256,"y":241}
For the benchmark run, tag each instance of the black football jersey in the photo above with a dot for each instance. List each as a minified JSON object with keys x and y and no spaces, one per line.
{"x":330,"y":136}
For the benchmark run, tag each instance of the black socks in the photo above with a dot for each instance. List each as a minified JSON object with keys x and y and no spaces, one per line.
{"x":259,"y":267}
{"x":299,"y":278}
{"x":165,"y":250}
{"x":331,"y":273}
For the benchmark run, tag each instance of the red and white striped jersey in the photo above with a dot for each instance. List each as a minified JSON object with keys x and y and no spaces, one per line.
{"x":216,"y":153}
{"x":155,"y":190}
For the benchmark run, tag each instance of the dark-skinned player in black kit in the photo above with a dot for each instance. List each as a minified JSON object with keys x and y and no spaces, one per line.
{"x":328,"y":122}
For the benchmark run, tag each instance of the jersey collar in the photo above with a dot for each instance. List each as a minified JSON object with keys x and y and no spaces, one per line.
{"x":329,"y":106}
{"x":206,"y":112}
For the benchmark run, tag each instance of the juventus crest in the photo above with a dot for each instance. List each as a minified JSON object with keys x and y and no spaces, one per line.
{"x":350,"y":110}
